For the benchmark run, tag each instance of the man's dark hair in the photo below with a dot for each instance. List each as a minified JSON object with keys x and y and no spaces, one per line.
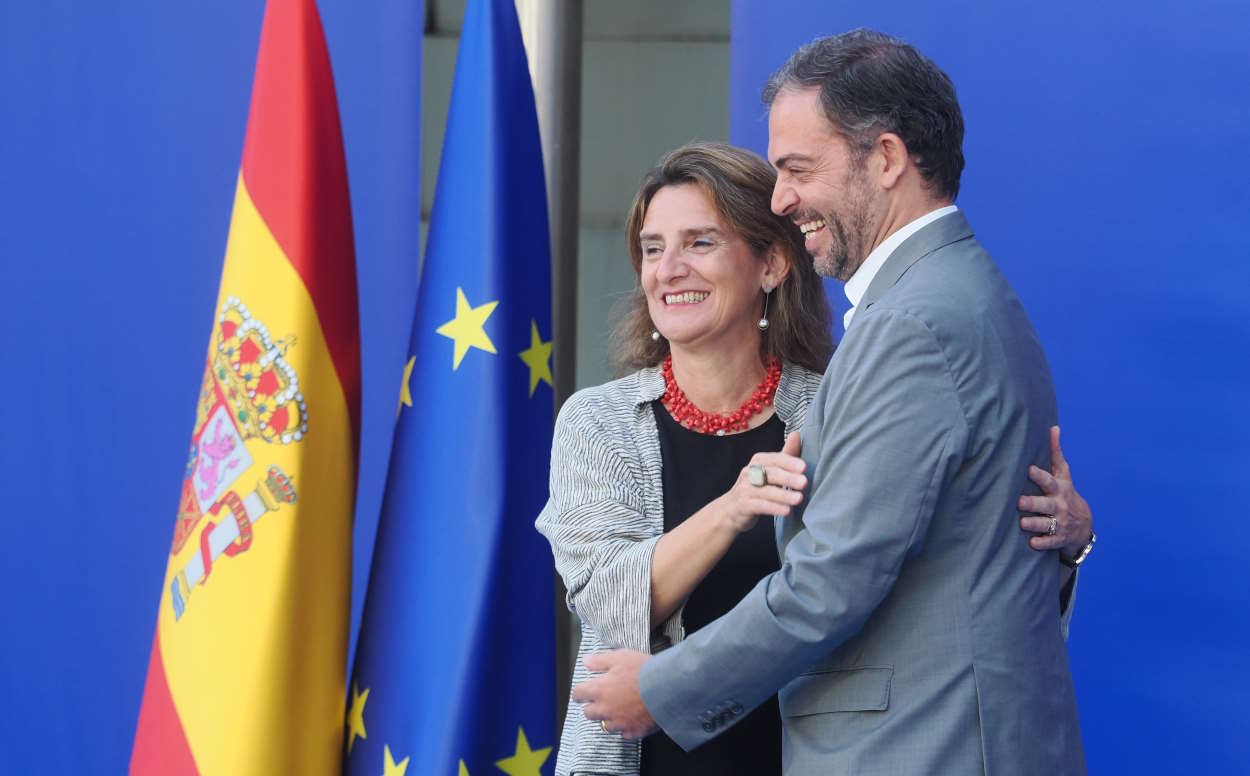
{"x":872,"y":83}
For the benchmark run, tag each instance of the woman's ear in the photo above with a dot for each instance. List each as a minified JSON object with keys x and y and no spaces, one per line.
{"x":776,"y":267}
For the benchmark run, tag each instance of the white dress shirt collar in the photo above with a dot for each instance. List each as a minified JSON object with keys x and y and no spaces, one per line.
{"x":858,"y":283}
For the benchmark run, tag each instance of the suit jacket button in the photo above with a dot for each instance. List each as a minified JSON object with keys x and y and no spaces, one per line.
{"x":708,"y":727}
{"x":736,"y":709}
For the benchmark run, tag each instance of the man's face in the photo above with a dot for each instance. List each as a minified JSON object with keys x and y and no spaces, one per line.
{"x":820,"y":184}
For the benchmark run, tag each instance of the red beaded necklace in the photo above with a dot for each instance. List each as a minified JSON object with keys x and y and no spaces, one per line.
{"x":695,"y":419}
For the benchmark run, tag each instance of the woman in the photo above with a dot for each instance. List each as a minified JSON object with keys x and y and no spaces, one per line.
{"x":653,"y":519}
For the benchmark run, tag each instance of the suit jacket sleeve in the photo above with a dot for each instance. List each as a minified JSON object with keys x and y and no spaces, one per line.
{"x":595,"y":522}
{"x":885,"y":433}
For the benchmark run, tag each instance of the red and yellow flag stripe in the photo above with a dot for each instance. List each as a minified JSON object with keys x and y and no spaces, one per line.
{"x":246,"y":672}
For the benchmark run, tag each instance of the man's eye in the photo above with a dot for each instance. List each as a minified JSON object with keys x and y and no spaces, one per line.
{"x":702,"y":243}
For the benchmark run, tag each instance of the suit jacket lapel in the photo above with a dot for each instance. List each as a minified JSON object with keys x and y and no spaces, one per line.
{"x":942,"y":232}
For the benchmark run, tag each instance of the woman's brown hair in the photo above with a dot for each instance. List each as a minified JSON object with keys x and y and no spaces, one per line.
{"x":740,"y":185}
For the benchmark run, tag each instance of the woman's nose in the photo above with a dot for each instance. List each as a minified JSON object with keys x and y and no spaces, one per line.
{"x":672,"y":265}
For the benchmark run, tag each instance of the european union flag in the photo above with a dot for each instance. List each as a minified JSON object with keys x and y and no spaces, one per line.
{"x":455,"y":668}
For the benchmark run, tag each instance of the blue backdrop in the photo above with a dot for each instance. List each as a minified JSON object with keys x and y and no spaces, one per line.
{"x":1106,"y":174}
{"x":122,"y":131}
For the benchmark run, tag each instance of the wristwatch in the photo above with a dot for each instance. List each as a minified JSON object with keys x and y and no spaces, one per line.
{"x":1081,"y":556}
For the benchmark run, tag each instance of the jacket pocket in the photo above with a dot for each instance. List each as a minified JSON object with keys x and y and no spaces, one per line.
{"x":865,"y":688}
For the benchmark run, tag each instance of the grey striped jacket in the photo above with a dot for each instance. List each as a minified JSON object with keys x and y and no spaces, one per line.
{"x":603,"y":519}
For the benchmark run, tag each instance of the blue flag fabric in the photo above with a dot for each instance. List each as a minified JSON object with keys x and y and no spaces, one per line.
{"x":455,"y":669}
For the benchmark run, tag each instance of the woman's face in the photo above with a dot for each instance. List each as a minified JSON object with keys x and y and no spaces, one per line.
{"x":702,"y":283}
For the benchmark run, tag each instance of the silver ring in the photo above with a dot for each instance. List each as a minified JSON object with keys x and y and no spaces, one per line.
{"x":1054,"y":526}
{"x":756,"y":475}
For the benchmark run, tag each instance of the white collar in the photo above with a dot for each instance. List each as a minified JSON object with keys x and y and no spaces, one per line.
{"x":858,"y":283}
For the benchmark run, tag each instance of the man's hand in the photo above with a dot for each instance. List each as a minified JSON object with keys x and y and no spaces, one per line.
{"x":612,"y":697}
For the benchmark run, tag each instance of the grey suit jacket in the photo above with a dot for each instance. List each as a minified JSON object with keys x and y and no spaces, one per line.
{"x":910,"y":628}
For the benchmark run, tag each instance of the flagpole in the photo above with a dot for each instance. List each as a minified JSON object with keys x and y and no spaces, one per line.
{"x":553,"y":34}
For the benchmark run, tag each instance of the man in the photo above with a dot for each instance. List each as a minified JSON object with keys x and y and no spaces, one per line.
{"x":910,"y":628}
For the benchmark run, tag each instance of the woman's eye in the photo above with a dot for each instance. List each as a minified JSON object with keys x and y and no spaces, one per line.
{"x":651,"y":251}
{"x":702,"y":243}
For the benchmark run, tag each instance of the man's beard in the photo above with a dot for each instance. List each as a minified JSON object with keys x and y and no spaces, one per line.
{"x":848,"y":231}
{"x":846,"y":246}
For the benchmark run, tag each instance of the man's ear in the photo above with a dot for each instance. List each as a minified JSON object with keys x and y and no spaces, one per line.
{"x":892,"y":158}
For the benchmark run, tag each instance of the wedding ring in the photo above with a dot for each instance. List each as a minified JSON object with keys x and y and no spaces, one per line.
{"x":1054,"y":526}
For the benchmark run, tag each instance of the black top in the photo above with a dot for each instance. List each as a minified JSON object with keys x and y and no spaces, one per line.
{"x":698,"y":468}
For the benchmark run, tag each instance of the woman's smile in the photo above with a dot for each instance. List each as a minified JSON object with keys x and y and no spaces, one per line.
{"x":685,"y":297}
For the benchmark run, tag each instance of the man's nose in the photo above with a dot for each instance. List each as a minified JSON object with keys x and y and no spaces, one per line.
{"x":784,"y":199}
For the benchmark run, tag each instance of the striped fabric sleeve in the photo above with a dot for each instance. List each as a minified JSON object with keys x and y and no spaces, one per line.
{"x":595,"y":520}
{"x":1065,"y":614}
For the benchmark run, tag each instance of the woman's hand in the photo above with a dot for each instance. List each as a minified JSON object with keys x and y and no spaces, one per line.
{"x":744,"y":503}
{"x":1073,"y":520}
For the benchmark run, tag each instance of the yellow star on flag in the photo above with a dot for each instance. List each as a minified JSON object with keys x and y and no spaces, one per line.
{"x":405,"y":394}
{"x":356,"y":716}
{"x":463,"y":770}
{"x":466,"y":329}
{"x":538,"y":358}
{"x":389,"y":767}
{"x":525,"y":761}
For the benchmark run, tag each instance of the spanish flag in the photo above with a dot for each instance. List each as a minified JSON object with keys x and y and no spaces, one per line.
{"x":247,"y":668}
